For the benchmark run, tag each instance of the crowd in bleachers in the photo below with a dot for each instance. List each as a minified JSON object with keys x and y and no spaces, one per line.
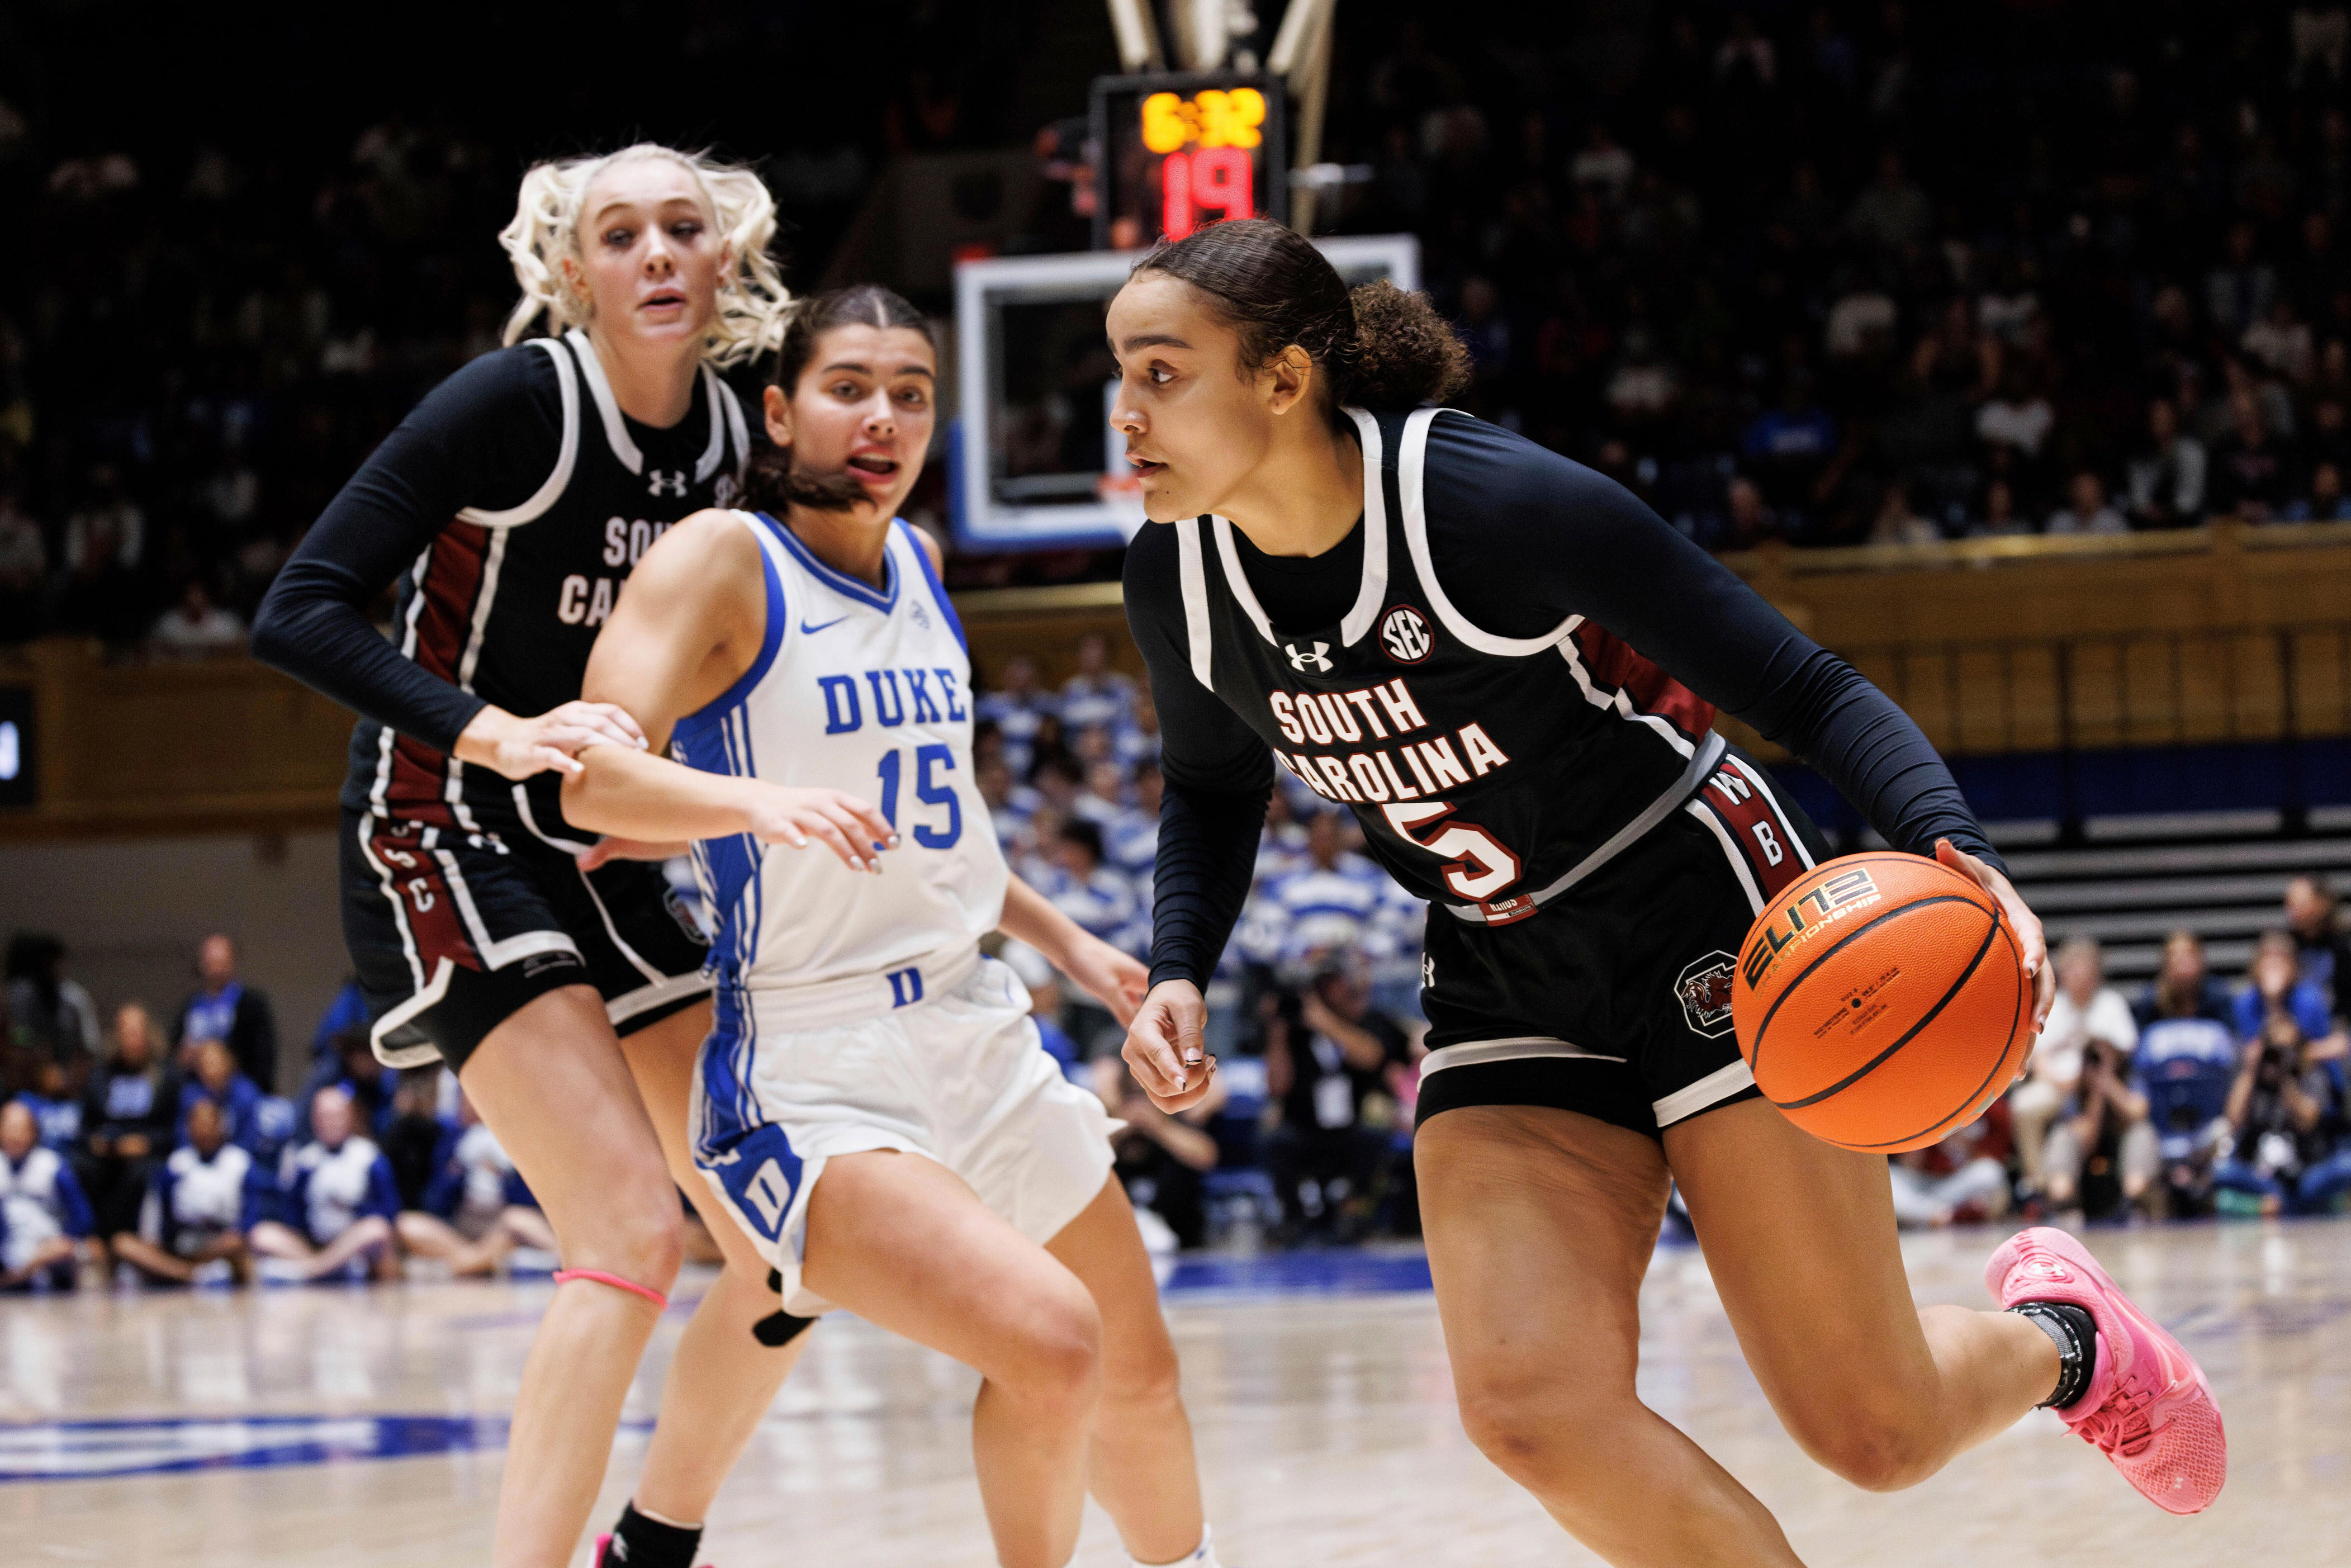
{"x":1884,"y":271}
{"x":1313,"y":1010}
{"x":137,"y":1152}
{"x":1829,"y":272}
{"x":213,"y":316}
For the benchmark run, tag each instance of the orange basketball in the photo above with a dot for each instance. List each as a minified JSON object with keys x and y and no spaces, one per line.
{"x":1881,"y":1002}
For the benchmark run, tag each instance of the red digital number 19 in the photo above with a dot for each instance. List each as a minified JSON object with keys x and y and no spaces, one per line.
{"x":1213,"y":182}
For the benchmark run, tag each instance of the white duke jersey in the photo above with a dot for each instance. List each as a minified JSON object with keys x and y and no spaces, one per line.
{"x":867,"y":691}
{"x":38,"y":1199}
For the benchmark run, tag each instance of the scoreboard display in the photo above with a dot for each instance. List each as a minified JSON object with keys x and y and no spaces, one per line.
{"x":1180,"y":151}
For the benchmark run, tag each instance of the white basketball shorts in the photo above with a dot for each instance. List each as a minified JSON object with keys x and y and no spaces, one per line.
{"x":937,"y":1060}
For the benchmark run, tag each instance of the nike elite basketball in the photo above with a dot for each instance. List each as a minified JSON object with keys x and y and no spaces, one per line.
{"x":1880,"y":1002}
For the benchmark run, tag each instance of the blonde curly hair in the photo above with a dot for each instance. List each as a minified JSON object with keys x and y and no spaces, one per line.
{"x":753,"y":302}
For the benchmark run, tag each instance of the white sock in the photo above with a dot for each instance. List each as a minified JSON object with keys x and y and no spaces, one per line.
{"x":1201,"y":1556}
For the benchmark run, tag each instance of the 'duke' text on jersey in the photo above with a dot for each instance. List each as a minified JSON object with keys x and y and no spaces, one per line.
{"x":891,"y":699}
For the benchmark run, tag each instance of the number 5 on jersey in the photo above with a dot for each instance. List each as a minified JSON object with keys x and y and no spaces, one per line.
{"x":1477,"y":867}
{"x":929,"y":790}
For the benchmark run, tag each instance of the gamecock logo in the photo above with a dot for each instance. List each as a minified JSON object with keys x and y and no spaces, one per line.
{"x":1704,"y":989}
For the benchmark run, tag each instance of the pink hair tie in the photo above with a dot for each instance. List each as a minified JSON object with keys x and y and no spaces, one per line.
{"x":564,"y":1276}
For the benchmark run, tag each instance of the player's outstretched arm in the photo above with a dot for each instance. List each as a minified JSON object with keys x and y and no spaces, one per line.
{"x":1551,"y":539}
{"x":1102,"y":971}
{"x":687,"y":627}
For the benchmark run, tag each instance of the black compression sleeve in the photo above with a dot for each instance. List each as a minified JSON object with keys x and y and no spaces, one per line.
{"x":1206,"y":859}
{"x":1522,"y":537}
{"x":1218,"y":775}
{"x":486,"y":437}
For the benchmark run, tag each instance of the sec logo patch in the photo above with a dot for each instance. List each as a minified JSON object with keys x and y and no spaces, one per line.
{"x":1404,"y":633}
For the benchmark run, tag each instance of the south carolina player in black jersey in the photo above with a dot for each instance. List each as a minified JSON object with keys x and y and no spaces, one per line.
{"x":1508,"y":668}
{"x":562,"y":982}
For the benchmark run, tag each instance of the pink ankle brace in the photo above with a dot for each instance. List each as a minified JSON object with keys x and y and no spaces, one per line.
{"x":564,"y":1276}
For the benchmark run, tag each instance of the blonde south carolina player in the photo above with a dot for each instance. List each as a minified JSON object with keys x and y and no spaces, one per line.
{"x":562,"y":985}
{"x":873,"y":1105}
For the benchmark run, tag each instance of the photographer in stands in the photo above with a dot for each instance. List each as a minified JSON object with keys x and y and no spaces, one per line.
{"x":1326,"y":1055}
{"x":2285,"y":1122}
{"x":2104,"y":1155}
{"x":1160,"y":1157}
{"x":2086,"y":1008}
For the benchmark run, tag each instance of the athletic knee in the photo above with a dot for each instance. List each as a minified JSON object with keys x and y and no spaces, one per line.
{"x":654,"y":1250}
{"x":1054,"y":1353}
{"x":1141,"y":1375}
{"x":1875,"y":1452}
{"x":1544,"y":1435}
{"x":642,"y":1242}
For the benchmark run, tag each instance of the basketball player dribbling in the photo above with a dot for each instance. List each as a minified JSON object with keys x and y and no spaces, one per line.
{"x":874,"y":1106}
{"x":1508,"y":668}
{"x":561,"y":981}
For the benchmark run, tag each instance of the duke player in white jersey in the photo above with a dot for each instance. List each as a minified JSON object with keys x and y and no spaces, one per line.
{"x":802,"y":664}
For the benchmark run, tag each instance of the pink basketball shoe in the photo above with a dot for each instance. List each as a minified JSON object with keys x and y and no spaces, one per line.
{"x":2147,"y":1407}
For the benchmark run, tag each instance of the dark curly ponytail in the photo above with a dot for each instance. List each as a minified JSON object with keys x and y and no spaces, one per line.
{"x":1378,"y":348}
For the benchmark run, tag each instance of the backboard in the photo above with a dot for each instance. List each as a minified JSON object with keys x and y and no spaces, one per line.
{"x":1031,"y":463}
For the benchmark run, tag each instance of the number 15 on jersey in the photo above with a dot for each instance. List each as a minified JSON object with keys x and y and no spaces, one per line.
{"x":930,"y":761}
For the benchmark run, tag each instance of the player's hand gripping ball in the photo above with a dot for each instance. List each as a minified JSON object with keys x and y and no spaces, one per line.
{"x":1881,"y":1002}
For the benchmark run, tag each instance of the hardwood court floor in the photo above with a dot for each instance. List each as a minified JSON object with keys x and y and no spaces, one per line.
{"x":218,"y":1431}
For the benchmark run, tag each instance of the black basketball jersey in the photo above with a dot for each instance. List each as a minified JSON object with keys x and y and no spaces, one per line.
{"x":1490,"y":772}
{"x":507,"y":603}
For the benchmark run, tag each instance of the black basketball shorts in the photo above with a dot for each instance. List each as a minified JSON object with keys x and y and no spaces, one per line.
{"x":452,"y":931}
{"x":1613,"y":999}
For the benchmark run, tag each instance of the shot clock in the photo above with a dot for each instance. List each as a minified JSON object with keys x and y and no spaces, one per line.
{"x":1182,"y":151}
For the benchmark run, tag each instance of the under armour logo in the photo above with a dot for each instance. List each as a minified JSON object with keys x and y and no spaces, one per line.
{"x":1313,"y":661}
{"x":672,"y":483}
{"x":1427,"y":973}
